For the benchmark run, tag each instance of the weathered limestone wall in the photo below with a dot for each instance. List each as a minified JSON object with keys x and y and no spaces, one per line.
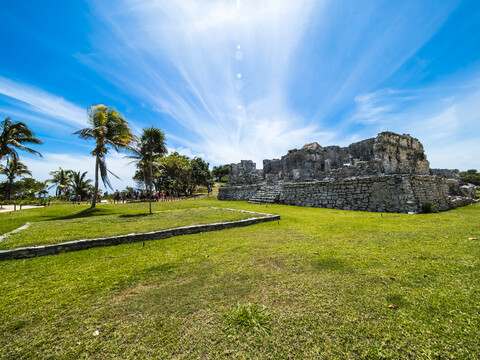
{"x":237,"y":193}
{"x":388,"y":173}
{"x":448,"y":173}
{"x":244,"y":173}
{"x":386,"y":193}
{"x":388,"y":153}
{"x":400,"y":154}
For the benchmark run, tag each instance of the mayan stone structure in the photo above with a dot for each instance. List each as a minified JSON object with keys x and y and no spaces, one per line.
{"x":388,"y":173}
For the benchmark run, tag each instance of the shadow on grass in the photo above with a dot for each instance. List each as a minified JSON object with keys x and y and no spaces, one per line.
{"x":82,"y":214}
{"x":134,"y":215}
{"x":332,"y":264}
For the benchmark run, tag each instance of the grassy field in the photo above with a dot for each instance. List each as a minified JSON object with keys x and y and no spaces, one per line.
{"x":318,"y":284}
{"x":58,"y":224}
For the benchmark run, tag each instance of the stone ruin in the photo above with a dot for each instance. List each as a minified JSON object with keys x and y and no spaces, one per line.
{"x":388,"y":173}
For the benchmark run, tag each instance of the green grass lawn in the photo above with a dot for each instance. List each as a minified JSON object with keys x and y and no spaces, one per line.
{"x":318,"y":284}
{"x":81,"y":222}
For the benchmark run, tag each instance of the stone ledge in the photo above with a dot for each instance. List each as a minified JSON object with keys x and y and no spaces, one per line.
{"x":34,"y":251}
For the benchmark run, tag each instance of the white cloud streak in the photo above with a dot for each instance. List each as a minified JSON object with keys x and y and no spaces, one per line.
{"x":218,"y":69}
{"x":243,"y":78}
{"x":444,"y":117}
{"x":116,"y":163}
{"x":38,"y":101}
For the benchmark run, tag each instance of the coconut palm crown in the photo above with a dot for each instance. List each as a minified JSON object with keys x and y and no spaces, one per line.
{"x":152,"y":145}
{"x":108,"y":129}
{"x":12,"y":170}
{"x":61,"y":179}
{"x":79,"y":183}
{"x":14,"y":135}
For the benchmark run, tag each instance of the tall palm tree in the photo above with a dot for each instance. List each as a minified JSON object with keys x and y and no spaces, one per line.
{"x":79,"y":184}
{"x":152,"y":145}
{"x":109,"y":129}
{"x":13,"y":169}
{"x":14,"y":135}
{"x":61,"y":179}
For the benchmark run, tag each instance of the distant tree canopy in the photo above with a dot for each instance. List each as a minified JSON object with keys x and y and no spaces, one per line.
{"x":178,"y":172}
{"x":471,"y":176}
{"x":221,"y":172}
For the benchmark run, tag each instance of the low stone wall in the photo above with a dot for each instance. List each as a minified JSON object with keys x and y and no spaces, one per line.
{"x":237,"y":193}
{"x":29,"y":252}
{"x":386,"y":193}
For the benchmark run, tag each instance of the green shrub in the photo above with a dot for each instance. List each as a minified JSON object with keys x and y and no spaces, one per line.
{"x":248,"y":318}
{"x":429,"y":208}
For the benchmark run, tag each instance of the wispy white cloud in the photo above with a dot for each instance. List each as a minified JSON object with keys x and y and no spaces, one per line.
{"x":244,"y":78}
{"x":220,"y":70}
{"x":45,"y":105}
{"x":445,"y":117}
{"x":116,"y":162}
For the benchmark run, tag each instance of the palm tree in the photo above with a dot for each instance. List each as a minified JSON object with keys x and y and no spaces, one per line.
{"x":12,"y":170}
{"x":109,"y":129}
{"x":79,"y":184}
{"x":151,"y":146}
{"x":61,"y":179}
{"x":14,"y":135}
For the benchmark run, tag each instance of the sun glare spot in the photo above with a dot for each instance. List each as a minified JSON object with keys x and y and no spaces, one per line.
{"x":239,"y":55}
{"x":239,"y":76}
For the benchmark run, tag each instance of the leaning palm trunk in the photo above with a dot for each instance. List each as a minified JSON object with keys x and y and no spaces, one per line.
{"x":10,"y":185}
{"x":150,"y":185}
{"x":95,"y":191}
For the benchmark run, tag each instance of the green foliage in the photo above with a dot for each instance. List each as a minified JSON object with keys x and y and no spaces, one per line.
{"x":248,"y":318}
{"x":219,"y":172}
{"x":108,"y":129}
{"x":224,"y":179}
{"x":429,"y":208}
{"x":22,"y":189}
{"x":62,"y":179}
{"x":13,"y":169}
{"x":178,"y":172}
{"x":173,"y":173}
{"x":200,"y":174}
{"x":80,"y":185}
{"x":14,"y":135}
{"x":150,"y":147}
{"x":471,"y":176}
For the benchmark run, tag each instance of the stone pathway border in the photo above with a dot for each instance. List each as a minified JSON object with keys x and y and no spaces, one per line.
{"x":29,"y":252}
{"x":23,"y":227}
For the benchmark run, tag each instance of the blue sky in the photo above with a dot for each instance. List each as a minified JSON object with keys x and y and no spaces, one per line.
{"x":243,"y":79}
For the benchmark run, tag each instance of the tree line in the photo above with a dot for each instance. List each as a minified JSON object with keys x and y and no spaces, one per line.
{"x":108,"y":129}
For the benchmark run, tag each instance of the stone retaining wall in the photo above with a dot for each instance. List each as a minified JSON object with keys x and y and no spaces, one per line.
{"x":29,"y":252}
{"x":237,"y":193}
{"x":386,"y":193}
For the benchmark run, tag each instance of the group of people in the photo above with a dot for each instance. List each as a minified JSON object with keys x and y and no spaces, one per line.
{"x":164,"y":195}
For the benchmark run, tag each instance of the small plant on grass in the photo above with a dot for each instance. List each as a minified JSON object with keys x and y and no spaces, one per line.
{"x":251,"y":318}
{"x":429,"y":208}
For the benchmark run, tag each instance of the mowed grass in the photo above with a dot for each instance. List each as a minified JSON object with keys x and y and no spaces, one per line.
{"x":81,"y":222}
{"x":318,"y":284}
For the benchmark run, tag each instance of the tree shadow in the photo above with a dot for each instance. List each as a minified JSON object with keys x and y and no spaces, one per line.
{"x":82,"y":214}
{"x":134,"y":215}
